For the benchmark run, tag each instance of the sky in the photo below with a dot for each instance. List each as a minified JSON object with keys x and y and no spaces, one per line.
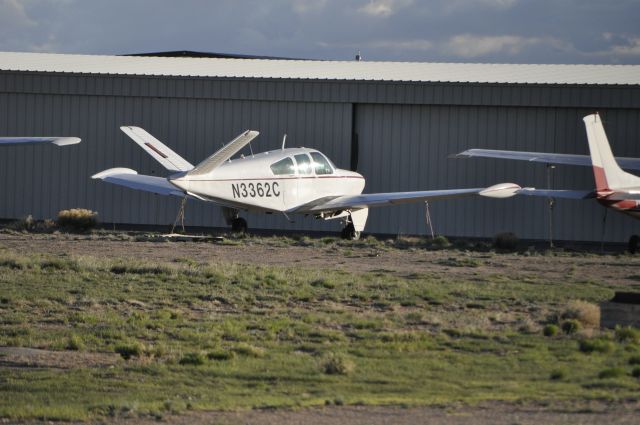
{"x":492,"y":31}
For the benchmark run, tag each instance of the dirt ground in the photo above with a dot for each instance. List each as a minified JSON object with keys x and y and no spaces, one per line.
{"x":614,"y":269}
{"x":622,"y":270}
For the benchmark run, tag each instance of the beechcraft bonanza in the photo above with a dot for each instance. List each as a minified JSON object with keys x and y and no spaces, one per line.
{"x":288,"y":181}
{"x":58,"y":141}
{"x":615,"y":188}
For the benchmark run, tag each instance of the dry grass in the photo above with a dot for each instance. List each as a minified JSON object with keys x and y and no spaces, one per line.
{"x":77,"y":219}
{"x":586,"y":313}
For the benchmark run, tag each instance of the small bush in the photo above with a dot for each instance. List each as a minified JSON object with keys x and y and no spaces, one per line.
{"x":586,"y":313}
{"x":506,"y":241}
{"x":570,"y":326}
{"x":249,"y":350}
{"x":551,"y":330}
{"x":221,"y":355}
{"x":634,"y":360}
{"x":26,"y":223}
{"x":337,"y":364}
{"x":193,"y":359}
{"x":635,"y":372}
{"x":557,"y":375}
{"x":614,"y":372}
{"x":127,"y":351}
{"x":627,"y":334}
{"x":595,"y":345}
{"x":77,"y":219}
{"x":440,"y":242}
{"x":74,"y":343}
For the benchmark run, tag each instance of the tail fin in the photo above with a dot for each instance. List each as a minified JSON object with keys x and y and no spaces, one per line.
{"x":224,"y":153}
{"x":606,"y":170}
{"x":154,"y":147}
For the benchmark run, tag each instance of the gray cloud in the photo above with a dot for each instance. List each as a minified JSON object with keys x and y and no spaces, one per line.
{"x":519,"y":31}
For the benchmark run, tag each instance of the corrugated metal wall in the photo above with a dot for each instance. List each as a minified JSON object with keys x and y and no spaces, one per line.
{"x":193,"y":128}
{"x":407,"y":148}
{"x":406,"y":131}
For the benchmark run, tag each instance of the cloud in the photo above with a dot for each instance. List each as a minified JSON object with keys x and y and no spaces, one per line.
{"x":402,"y":45}
{"x":473,"y":46}
{"x":307,"y":6}
{"x":621,"y":45}
{"x":384,"y":8}
{"x":462,"y":5}
{"x":13,"y":16}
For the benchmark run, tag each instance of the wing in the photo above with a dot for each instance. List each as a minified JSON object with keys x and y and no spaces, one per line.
{"x":547,"y":158}
{"x":566,"y":194}
{"x":355,"y":202}
{"x":158,"y":150}
{"x":130,"y":178}
{"x":58,"y":141}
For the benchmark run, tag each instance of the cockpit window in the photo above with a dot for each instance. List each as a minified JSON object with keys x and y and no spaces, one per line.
{"x":304,"y":164}
{"x":321,"y":164}
{"x":284,"y":166}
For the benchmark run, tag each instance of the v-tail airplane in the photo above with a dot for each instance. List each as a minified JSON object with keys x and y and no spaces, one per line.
{"x":288,"y":181}
{"x":615,"y":188}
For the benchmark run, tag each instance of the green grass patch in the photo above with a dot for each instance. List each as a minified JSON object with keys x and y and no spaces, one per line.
{"x":200,"y":335}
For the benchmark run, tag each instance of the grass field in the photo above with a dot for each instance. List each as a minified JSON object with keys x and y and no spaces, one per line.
{"x":189,"y":334}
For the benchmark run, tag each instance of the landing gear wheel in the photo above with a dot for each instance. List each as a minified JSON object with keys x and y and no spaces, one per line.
{"x":239,"y":225}
{"x":634,"y":244}
{"x":350,"y":232}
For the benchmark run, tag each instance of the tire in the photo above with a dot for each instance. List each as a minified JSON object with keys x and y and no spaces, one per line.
{"x":239,"y":225}
{"x":349,"y":232}
{"x":634,"y":244}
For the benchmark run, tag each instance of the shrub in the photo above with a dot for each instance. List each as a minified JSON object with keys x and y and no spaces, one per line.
{"x":221,"y":355}
{"x":551,"y":330}
{"x":586,"y":313}
{"x":635,"y":372}
{"x":193,"y":359}
{"x":74,"y":343}
{"x":634,"y":360}
{"x":614,"y":372}
{"x":440,"y":242}
{"x":627,"y":334}
{"x":337,"y":364}
{"x":570,"y":326}
{"x":77,"y":219}
{"x":129,"y":350}
{"x":248,"y":350}
{"x":557,"y":375}
{"x":595,"y":345}
{"x":506,"y":241}
{"x":26,"y":223}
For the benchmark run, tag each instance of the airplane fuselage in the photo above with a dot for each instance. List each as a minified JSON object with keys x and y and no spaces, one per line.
{"x":273,"y":181}
{"x":627,"y":206}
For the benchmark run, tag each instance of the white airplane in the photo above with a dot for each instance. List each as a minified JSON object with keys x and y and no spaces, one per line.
{"x":58,"y":141}
{"x":615,"y":188}
{"x":288,"y":181}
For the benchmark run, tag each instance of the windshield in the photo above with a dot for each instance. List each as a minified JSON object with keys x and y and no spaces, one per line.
{"x":321,"y":164}
{"x":284,"y":166}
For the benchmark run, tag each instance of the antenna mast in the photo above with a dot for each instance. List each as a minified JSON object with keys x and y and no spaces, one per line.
{"x":284,"y":140}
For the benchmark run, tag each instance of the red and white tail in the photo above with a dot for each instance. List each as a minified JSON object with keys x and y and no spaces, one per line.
{"x":608,"y":174}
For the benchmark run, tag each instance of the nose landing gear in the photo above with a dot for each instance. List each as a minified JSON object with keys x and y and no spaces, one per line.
{"x":239,"y":225}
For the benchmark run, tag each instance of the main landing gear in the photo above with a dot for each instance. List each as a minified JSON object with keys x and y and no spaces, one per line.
{"x":349,"y":231}
{"x":634,"y":244}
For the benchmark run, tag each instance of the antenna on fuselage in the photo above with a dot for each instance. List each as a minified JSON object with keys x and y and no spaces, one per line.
{"x":284,"y":140}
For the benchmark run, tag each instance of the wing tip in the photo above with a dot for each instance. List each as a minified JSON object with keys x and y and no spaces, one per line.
{"x":111,"y":171}
{"x":65,"y":141}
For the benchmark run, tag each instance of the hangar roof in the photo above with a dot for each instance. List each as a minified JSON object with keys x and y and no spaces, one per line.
{"x":322,"y":70}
